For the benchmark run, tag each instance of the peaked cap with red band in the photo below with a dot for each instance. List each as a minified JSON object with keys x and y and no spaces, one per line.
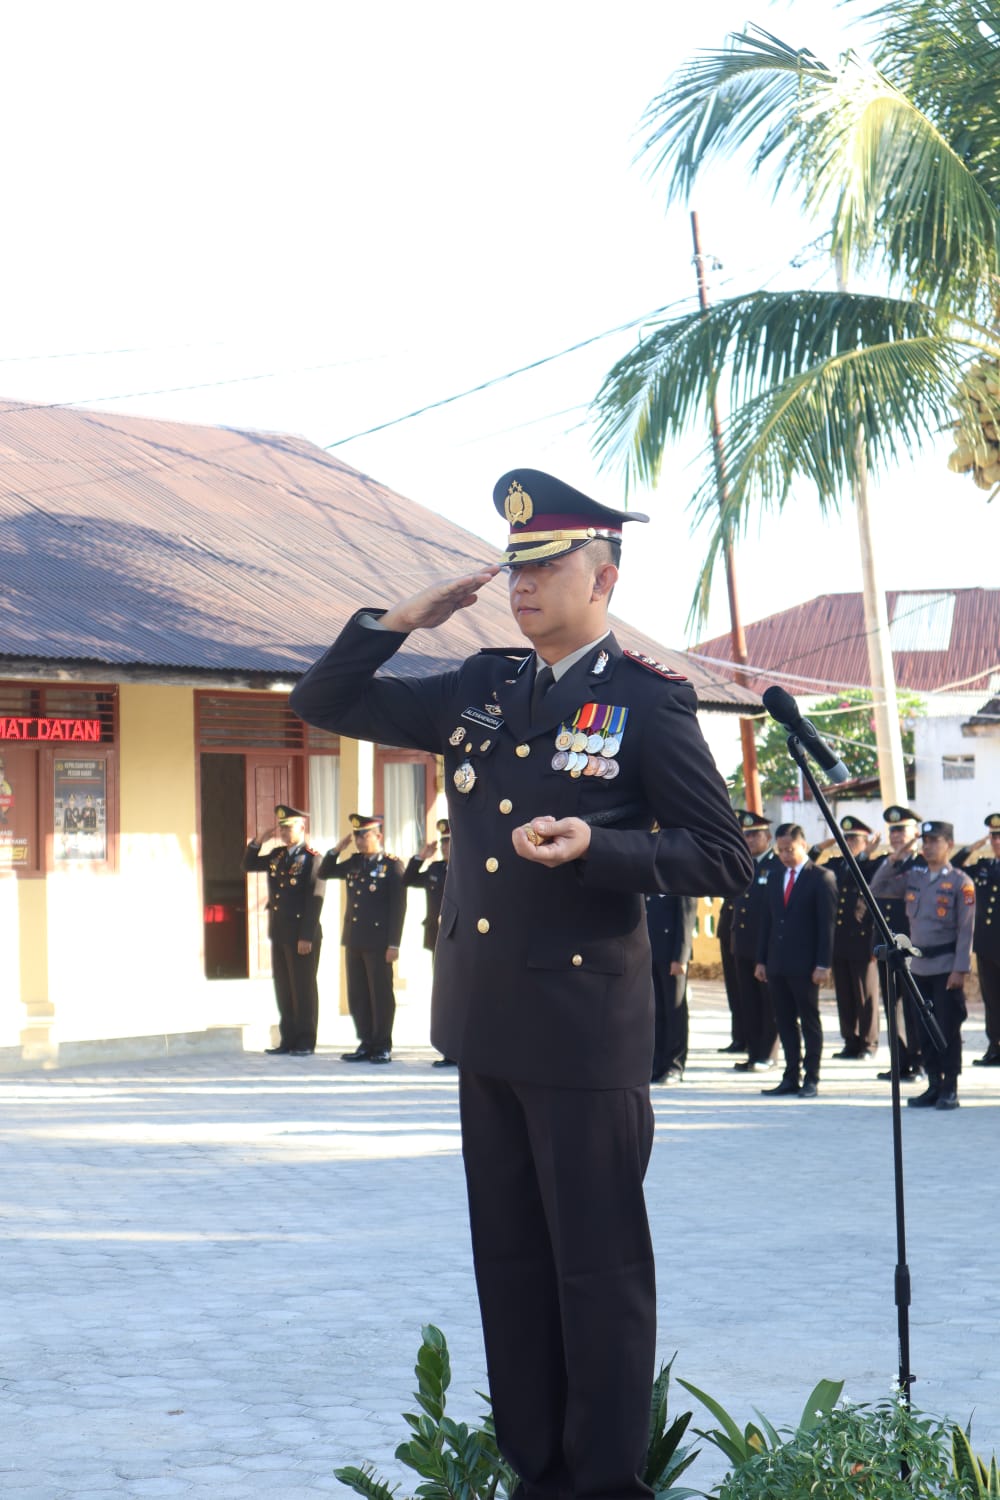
{"x":549,"y":518}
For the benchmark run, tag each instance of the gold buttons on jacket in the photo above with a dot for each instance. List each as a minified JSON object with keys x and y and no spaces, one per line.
{"x":482,"y":925}
{"x":522,"y":750}
{"x":484,"y":746}
{"x":577,"y":960}
{"x":492,"y":865}
{"x":506,"y":805}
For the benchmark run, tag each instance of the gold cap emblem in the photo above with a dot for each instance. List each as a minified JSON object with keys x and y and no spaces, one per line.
{"x":518,"y":506}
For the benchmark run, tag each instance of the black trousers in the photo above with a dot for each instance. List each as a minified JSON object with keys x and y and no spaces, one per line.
{"x":796,"y":1004}
{"x":670,"y":1010}
{"x":564,"y":1268}
{"x":370,"y":997}
{"x":297,"y":995}
{"x":856,"y":984}
{"x":949,"y":1012}
{"x":757,"y":1010}
{"x":734,"y":998}
{"x":989,"y":985}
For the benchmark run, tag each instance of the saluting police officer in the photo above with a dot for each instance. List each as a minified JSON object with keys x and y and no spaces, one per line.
{"x":294,"y":902}
{"x":558,"y":763}
{"x":940,"y":902}
{"x":428,"y":875}
{"x":903,"y":826}
{"x":855,"y":980}
{"x":373,"y":926}
{"x":756,"y":1009}
{"x":724,"y":933}
{"x":985,"y":874}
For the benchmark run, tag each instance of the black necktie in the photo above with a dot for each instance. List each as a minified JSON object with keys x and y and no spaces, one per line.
{"x":544,"y":678}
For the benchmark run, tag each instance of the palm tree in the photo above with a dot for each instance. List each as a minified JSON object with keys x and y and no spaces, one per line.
{"x":900,"y":158}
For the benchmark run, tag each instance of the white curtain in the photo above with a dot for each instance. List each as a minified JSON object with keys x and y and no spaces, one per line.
{"x":405,"y":808}
{"x":324,"y":801}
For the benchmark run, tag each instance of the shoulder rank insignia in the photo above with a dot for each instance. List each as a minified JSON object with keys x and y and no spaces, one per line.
{"x":641,"y":660}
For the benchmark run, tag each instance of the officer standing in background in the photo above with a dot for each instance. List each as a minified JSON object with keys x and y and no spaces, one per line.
{"x":558,"y":762}
{"x":430,"y":879}
{"x":724,"y":932}
{"x":294,"y":902}
{"x":904,"y":842}
{"x":855,"y":977}
{"x":985,"y":874}
{"x":670,"y":922}
{"x":756,"y":1009}
{"x":373,"y":926}
{"x":940,"y":901}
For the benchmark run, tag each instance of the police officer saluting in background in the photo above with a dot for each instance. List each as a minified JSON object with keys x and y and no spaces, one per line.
{"x":430,"y":879}
{"x":558,"y":761}
{"x":294,"y":902}
{"x":904,"y":843}
{"x":855,"y":980}
{"x":940,"y":902}
{"x":373,"y":926}
{"x":985,"y":874}
{"x":755,"y":1007}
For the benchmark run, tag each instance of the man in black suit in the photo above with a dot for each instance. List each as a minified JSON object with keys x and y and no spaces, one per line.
{"x":294,"y":902}
{"x":855,"y":980}
{"x":428,"y":875}
{"x":794,"y":951}
{"x":755,"y":1004}
{"x":670,"y":923}
{"x":558,"y":761}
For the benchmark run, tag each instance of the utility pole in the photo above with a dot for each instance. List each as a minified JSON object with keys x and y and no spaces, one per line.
{"x":888,"y":736}
{"x":751,"y":779}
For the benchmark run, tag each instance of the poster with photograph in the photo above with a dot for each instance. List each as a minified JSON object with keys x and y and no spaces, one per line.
{"x":80,"y":824}
{"x":14,"y":848}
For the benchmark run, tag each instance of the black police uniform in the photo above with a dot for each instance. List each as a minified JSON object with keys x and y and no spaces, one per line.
{"x":430,"y":879}
{"x":543,"y":995}
{"x":373,"y":922}
{"x":855,"y":979}
{"x":724,"y":932}
{"x":756,"y":1007}
{"x":985,"y":876}
{"x":670,"y":923}
{"x":294,"y":902}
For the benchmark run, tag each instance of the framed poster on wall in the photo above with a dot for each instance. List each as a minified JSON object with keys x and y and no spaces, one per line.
{"x":18,"y":823}
{"x":80,"y":802}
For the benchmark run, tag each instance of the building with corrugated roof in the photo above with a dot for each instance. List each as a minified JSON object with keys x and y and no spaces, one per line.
{"x":163,"y":587}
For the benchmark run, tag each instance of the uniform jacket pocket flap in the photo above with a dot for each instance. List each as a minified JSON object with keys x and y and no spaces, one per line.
{"x":592,"y":958}
{"x":449,"y":916}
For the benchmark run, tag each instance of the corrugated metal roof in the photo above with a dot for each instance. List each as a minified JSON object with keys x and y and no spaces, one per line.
{"x":948,"y":638}
{"x":138,"y":543}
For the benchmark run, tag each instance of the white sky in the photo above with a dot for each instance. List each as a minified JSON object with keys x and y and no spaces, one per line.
{"x":416,"y":199}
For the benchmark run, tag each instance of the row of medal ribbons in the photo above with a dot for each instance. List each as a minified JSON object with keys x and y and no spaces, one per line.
{"x":588,"y":746}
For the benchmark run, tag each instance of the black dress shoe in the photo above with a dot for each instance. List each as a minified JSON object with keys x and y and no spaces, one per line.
{"x":786,"y":1086}
{"x":989,"y":1059}
{"x":927,"y":1100}
{"x":762,"y":1065}
{"x":947,"y":1100}
{"x":906,"y":1075}
{"x":302,"y":1052}
{"x":743,"y":1067}
{"x":808,"y":1090}
{"x":847,"y":1054}
{"x":380,"y":1057}
{"x":276,"y":1051}
{"x":733,"y":1047}
{"x":360,"y":1054}
{"x":444,"y":1062}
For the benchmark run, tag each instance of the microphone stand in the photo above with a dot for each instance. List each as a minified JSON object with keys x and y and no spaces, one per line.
{"x":893,"y":953}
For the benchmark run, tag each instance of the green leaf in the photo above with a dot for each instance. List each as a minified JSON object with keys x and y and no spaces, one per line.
{"x":365,"y":1482}
{"x":964,"y":1462}
{"x":820,"y":1404}
{"x":720,"y":1413}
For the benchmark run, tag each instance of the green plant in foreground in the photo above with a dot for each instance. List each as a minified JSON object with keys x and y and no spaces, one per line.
{"x":458,"y":1462}
{"x":972,"y":1471}
{"x":740,"y":1447}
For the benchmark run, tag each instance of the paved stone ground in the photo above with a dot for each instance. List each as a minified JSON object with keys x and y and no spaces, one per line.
{"x":214,"y":1271}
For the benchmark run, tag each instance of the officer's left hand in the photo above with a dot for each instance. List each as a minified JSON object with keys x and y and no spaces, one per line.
{"x":304,"y":948}
{"x":955,"y":981}
{"x":559,"y":840}
{"x":391,"y":954}
{"x":677,"y":970}
{"x":821,"y":976}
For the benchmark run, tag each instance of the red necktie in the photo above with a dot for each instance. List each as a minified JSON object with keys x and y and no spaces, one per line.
{"x":789,"y":883}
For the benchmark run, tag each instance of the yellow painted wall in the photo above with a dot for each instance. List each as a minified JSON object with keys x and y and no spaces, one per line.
{"x":124,"y":949}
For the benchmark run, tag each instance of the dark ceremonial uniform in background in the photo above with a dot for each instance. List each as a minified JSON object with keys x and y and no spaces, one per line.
{"x":941,"y":913}
{"x":724,"y":932}
{"x":373,"y":922}
{"x":670,"y":923}
{"x":543,"y":994}
{"x":985,"y":876}
{"x":431,"y":881}
{"x":855,"y":978}
{"x":756,"y":1008}
{"x":795,"y":938}
{"x":294,"y":902}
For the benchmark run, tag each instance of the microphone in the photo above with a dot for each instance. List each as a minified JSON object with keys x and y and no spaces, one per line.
{"x":785,"y":711}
